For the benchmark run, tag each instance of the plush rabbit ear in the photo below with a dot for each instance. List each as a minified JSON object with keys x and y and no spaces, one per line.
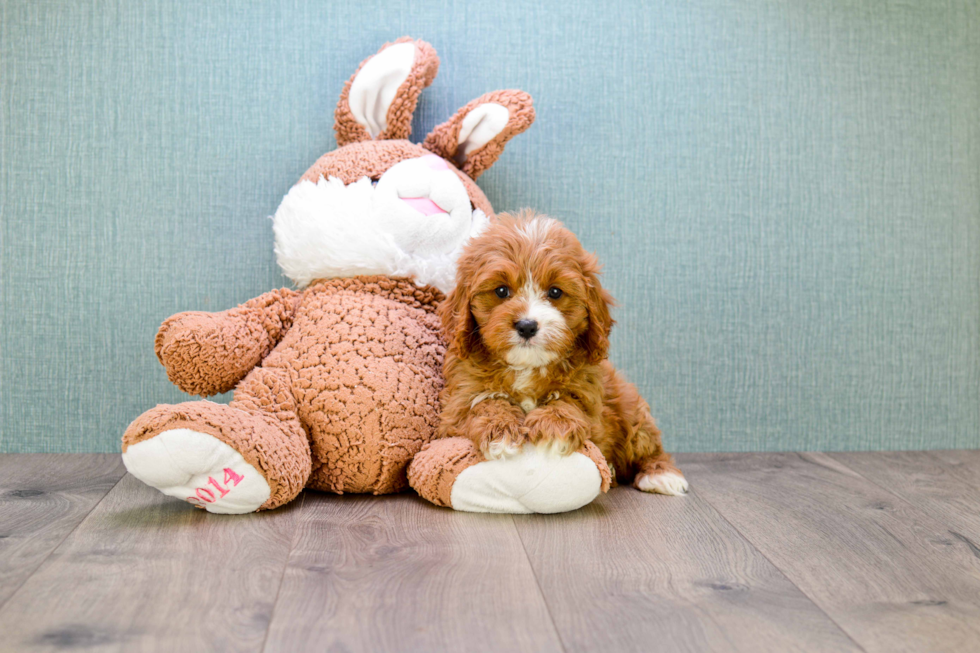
{"x":476,"y":135}
{"x":379,"y":99}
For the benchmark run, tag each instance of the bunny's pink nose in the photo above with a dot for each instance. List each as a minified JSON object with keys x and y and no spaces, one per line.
{"x":423,"y":205}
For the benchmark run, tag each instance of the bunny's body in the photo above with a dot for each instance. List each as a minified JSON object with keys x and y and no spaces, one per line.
{"x":345,"y":395}
{"x":337,"y":384}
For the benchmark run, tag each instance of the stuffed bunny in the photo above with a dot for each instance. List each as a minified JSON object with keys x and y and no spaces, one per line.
{"x":337,"y":383}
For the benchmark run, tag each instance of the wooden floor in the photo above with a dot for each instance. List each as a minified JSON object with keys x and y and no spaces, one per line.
{"x":769,"y":552}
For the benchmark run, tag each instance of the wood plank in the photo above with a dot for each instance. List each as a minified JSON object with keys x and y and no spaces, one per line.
{"x":891,"y":575}
{"x":42,"y":498}
{"x":147,"y":572}
{"x":962,"y":463}
{"x":927,"y":483}
{"x":634,"y":572}
{"x":398,"y":574}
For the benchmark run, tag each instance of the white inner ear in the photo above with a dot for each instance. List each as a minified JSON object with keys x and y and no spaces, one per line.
{"x":479,"y":127}
{"x":374,"y":87}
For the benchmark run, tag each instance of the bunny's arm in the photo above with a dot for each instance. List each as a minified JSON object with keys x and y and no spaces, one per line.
{"x":209,"y":353}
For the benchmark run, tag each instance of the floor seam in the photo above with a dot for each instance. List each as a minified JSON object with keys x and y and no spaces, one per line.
{"x":537,"y":583}
{"x":778,"y":568}
{"x":903,"y":499}
{"x":62,"y":541}
{"x":285,"y":568}
{"x":941,"y":521}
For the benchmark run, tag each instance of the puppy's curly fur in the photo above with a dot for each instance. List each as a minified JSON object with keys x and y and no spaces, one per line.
{"x":528,"y":329}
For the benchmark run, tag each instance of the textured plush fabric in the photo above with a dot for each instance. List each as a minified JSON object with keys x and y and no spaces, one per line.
{"x":785,"y":195}
{"x":261,"y":424}
{"x":434,"y":469}
{"x":364,"y":359}
{"x":344,"y":400}
{"x":589,"y":449}
{"x":209,"y":353}
{"x":443,"y":139}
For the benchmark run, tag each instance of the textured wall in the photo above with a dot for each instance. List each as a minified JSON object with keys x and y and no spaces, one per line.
{"x":786,"y":195}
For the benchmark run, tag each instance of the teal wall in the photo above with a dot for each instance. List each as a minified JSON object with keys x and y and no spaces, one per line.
{"x":786,"y":194}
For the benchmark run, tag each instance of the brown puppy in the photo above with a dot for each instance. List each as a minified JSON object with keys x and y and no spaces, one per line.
{"x":528,"y":329}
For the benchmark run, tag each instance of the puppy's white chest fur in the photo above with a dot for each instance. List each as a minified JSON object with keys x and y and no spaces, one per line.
{"x":523,"y":381}
{"x":523,"y":378}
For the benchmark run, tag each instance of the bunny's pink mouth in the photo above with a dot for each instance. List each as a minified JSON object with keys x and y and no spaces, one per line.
{"x":424,"y":205}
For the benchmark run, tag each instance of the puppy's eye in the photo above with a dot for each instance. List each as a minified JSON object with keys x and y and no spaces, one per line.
{"x":554,"y":292}
{"x":502,"y":291}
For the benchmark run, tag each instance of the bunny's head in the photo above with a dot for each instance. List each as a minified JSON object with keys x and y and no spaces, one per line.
{"x":380,"y":204}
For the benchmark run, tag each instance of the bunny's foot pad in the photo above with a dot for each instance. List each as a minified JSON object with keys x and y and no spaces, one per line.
{"x":200,"y":469}
{"x":532,"y":481}
{"x":450,"y":472}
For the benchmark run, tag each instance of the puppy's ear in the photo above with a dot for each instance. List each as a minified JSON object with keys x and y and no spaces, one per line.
{"x":597,"y":302}
{"x":458,"y":323}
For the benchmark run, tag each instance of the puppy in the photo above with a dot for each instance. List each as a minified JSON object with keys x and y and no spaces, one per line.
{"x":528,"y":331}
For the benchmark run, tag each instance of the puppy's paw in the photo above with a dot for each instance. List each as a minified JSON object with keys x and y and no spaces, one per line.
{"x":670,"y":483}
{"x":562,"y":431}
{"x":502,"y":439}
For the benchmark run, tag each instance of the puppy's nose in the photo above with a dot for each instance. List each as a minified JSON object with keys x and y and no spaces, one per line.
{"x":526,"y":328}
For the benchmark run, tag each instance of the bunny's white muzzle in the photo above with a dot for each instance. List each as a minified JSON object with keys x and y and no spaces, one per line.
{"x":413,"y":223}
